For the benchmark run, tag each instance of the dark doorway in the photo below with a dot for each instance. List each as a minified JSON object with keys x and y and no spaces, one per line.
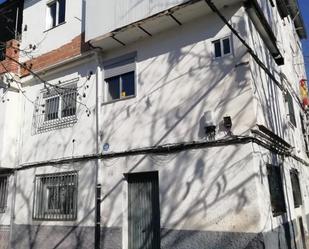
{"x":302,"y":231}
{"x":143,"y":210}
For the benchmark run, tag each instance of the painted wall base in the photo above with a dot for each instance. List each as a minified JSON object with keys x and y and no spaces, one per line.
{"x":189,"y":239}
{"x":4,"y":237}
{"x":52,"y":237}
{"x":65,"y":237}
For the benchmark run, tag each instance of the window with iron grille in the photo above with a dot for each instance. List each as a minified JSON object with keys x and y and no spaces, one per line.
{"x":296,"y":188}
{"x":3,"y":192}
{"x":56,"y":196}
{"x":276,"y":190}
{"x":55,"y":108}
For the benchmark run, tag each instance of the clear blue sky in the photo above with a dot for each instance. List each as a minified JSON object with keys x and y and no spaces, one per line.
{"x":304,"y":5}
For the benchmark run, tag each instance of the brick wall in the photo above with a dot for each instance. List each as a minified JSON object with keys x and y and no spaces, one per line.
{"x":11,"y":52}
{"x":76,"y":47}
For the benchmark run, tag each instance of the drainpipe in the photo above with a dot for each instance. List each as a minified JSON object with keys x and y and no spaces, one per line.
{"x":17,"y":162}
{"x":97,"y":234}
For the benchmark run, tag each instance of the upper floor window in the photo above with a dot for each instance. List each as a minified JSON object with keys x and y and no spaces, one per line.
{"x":55,"y":13}
{"x":120,"y":78}
{"x":60,"y":103}
{"x":56,"y":107}
{"x":222,"y":47}
{"x":55,"y":196}
{"x":276,"y":190}
{"x":290,"y":108}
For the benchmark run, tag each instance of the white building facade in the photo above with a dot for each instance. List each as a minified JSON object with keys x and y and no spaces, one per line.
{"x":155,"y":124}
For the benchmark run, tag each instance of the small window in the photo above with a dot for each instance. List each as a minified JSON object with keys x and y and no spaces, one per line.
{"x":56,"y":196}
{"x":276,"y":190}
{"x":290,"y":108}
{"x":222,"y":47}
{"x":3,"y":192}
{"x":120,"y":78}
{"x":55,"y":13}
{"x":296,"y":188}
{"x":121,"y":86}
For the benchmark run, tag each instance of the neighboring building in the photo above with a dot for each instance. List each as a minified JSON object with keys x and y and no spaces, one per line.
{"x":155,"y":124}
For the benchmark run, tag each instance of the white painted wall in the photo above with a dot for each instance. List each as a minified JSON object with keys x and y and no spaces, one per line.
{"x":10,"y":127}
{"x":34,"y":17}
{"x":197,"y":192}
{"x":177,"y":81}
{"x":271,"y":111}
{"x":119,"y":13}
{"x":59,"y":143}
{"x":85,"y":197}
{"x":269,"y":99}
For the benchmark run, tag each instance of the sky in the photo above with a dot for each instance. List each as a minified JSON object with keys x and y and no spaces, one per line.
{"x":304,"y":5}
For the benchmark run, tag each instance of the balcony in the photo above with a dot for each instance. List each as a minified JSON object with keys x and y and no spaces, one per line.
{"x":123,"y":22}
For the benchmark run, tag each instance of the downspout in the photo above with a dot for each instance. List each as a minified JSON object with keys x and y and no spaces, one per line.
{"x":17,"y":162}
{"x":97,"y":235}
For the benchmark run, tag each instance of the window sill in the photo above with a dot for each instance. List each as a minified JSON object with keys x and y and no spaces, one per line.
{"x":60,"y":24}
{"x":56,"y":124}
{"x":118,"y":100}
{"x":222,"y":57}
{"x":291,"y":125}
{"x":277,"y":214}
{"x":55,"y":219}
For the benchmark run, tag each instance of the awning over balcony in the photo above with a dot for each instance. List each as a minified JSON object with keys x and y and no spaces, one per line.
{"x":157,"y":23}
{"x":259,"y":20}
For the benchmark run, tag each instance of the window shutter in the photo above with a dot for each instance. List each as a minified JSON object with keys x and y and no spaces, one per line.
{"x":120,"y":65}
{"x":296,"y":188}
{"x":276,"y":190}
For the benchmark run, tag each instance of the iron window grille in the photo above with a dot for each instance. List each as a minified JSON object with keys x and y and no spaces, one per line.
{"x":3,"y":192}
{"x":296,"y":189}
{"x":55,"y":196}
{"x":55,"y":108}
{"x":276,"y":190}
